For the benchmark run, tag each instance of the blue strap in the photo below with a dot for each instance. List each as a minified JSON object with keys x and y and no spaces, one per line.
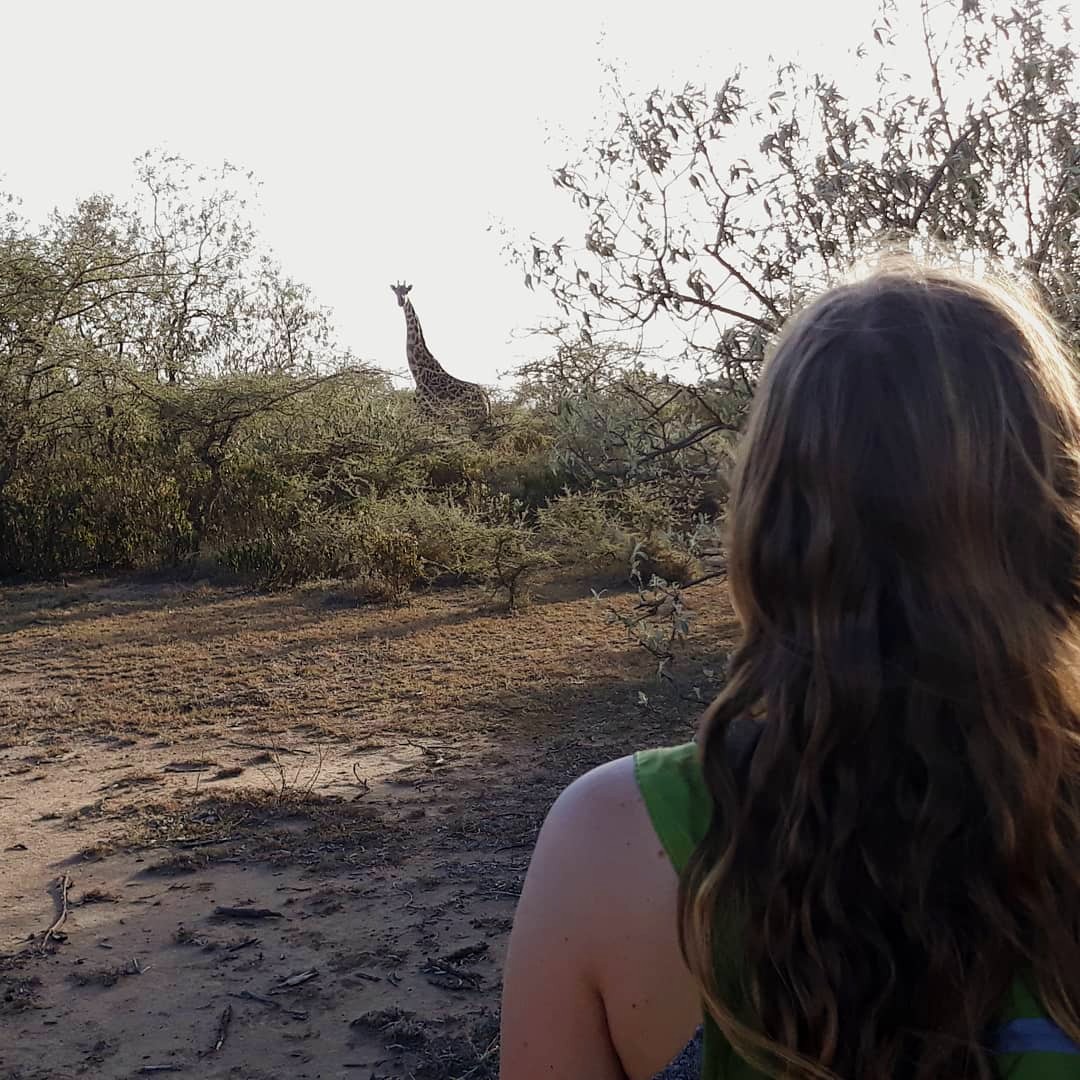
{"x":1033,"y":1036}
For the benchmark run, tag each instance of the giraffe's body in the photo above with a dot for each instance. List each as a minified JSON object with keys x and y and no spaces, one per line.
{"x":437,"y":391}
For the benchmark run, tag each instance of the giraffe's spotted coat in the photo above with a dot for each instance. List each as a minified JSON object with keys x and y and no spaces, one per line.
{"x":437,"y":391}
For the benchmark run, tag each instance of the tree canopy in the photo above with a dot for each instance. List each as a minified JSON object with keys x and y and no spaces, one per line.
{"x":713,"y":214}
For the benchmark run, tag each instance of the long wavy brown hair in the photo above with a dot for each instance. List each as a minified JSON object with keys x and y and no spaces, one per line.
{"x":904,"y":558}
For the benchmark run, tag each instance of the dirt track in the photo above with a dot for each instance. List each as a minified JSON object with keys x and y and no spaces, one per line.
{"x":370,"y":779}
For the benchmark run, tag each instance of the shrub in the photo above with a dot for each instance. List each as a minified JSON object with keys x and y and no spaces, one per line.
{"x":391,"y":563}
{"x":668,"y":557}
{"x":320,"y":545}
{"x":581,"y":528}
{"x":87,"y":518}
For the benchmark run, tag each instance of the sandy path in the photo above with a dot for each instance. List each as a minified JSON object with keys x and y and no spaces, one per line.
{"x":373,"y":778}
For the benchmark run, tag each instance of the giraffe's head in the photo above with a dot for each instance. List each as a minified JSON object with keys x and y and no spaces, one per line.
{"x":401,"y":291}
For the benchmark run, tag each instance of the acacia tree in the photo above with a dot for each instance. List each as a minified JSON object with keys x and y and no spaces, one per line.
{"x":714,"y":215}
{"x":711,"y":214}
{"x":215,"y":303}
{"x":62,"y":289}
{"x":172,"y":285}
{"x":209,"y":417}
{"x":618,"y":422}
{"x":138,"y":344}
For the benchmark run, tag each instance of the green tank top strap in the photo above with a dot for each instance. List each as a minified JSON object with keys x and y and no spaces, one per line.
{"x":679,"y":805}
{"x":1029,"y":1045}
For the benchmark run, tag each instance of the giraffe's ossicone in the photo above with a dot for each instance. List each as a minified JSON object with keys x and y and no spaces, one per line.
{"x":438,"y":393}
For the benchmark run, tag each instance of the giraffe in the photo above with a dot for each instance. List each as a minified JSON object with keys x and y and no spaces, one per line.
{"x":437,"y":391}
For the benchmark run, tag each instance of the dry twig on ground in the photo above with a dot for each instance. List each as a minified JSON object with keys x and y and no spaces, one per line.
{"x":64,"y":884}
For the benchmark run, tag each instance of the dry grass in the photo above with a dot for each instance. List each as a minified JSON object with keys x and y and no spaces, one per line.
{"x":104,"y":977}
{"x":168,"y":661}
{"x":18,"y":992}
{"x":192,"y":830}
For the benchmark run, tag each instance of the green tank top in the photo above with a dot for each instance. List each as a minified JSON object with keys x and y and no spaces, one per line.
{"x":1030,"y":1046}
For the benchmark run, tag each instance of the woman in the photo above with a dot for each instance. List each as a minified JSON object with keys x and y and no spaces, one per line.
{"x":868,"y":867}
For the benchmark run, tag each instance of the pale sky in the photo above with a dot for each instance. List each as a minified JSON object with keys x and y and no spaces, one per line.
{"x":387,"y":137}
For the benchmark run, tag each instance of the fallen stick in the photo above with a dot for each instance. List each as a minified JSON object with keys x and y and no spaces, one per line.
{"x":248,"y":995}
{"x":223,"y":1029}
{"x":270,"y":749}
{"x":246,"y":913}
{"x":190,"y":842}
{"x":295,"y":980}
{"x":448,"y":977}
{"x":365,"y":784}
{"x":465,"y":953}
{"x":63,"y":884}
{"x":161,"y":1068}
{"x":514,"y":847}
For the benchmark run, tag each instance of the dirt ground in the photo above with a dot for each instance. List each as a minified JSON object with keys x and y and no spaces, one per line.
{"x":282,"y":836}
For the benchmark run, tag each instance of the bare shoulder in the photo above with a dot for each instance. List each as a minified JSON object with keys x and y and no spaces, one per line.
{"x":584,"y":862}
{"x":601,"y":819}
{"x":594,"y":950}
{"x":606,"y":795}
{"x":598,"y":844}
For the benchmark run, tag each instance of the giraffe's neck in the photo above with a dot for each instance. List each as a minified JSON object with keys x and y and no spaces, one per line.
{"x":416,"y":350}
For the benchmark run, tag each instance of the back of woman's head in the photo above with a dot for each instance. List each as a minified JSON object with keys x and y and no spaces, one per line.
{"x":904,"y":556}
